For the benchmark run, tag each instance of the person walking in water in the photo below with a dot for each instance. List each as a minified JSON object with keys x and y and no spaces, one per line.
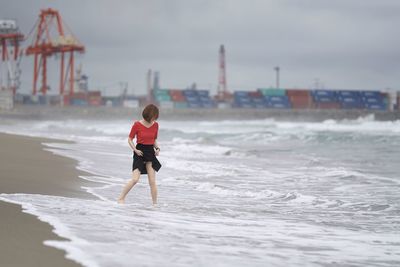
{"x":144,"y":152}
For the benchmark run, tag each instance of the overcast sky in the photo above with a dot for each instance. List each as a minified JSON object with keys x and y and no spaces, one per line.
{"x":345,"y":44}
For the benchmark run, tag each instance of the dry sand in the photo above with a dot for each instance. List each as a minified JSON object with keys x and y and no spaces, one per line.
{"x":26,"y":168}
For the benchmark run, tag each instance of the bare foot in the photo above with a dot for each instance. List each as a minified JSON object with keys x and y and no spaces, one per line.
{"x":121,"y":201}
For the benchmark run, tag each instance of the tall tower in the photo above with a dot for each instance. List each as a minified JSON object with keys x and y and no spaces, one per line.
{"x":222,"y":89}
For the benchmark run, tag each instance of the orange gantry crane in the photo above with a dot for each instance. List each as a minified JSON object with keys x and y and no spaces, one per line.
{"x":51,"y":38}
{"x":10,"y":39}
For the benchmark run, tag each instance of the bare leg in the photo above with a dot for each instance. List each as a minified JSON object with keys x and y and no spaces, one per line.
{"x":152,"y":182}
{"x":129,"y":185}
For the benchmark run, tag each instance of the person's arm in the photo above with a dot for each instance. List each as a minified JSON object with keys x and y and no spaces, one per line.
{"x":132,"y":135}
{"x":156,"y":147}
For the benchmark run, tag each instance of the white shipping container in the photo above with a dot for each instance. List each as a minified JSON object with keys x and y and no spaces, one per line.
{"x":6,"y":100}
{"x":224,"y":105}
{"x":131,"y":103}
{"x":166,"y":104}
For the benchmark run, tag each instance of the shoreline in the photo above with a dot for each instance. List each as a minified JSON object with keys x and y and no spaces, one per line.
{"x":56,"y":112}
{"x":27,"y":168}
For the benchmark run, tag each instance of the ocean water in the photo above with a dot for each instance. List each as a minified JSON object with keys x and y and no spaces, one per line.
{"x":231,"y":193}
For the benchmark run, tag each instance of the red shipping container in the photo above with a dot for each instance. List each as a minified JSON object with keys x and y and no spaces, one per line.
{"x":94,"y":101}
{"x":175,"y":92}
{"x":301,"y":101}
{"x":178,"y":98}
{"x":256,"y":94}
{"x":79,"y":95}
{"x":94,"y":93}
{"x":296,"y":92}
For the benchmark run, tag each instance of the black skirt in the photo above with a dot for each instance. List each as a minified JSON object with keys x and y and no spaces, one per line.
{"x":139,"y":162}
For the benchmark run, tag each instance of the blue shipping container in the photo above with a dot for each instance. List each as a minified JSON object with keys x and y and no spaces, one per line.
{"x":194,"y":105}
{"x":242,"y":99}
{"x":204,"y":98}
{"x":203,"y":93}
{"x":375,"y":106}
{"x":324,"y":99}
{"x":190,"y":92}
{"x":348,"y":93}
{"x":241,"y":94}
{"x":372,"y":100}
{"x":277,"y":99}
{"x":349,"y":99}
{"x":324,"y":93}
{"x":375,"y":94}
{"x":279,"y":105}
{"x":192,"y":98}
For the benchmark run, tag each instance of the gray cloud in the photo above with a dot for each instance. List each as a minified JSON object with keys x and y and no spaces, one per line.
{"x":346,"y":44}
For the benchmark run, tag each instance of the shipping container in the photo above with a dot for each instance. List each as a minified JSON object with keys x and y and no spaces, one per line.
{"x":297,"y":93}
{"x":195,"y":105}
{"x":204,"y":93}
{"x":160,"y":97}
{"x":79,"y":95}
{"x":301,"y":101}
{"x":325,"y":99}
{"x":323,"y":93}
{"x":95,"y":100}
{"x":348,"y":93}
{"x":175,"y":92}
{"x":255,"y":94}
{"x":94,"y":93}
{"x":240,"y":94}
{"x":244,"y":99}
{"x":374,"y":94}
{"x":277,"y":99}
{"x":376,"y":106}
{"x":372,"y":99}
{"x":208,"y":104}
{"x":160,"y":93}
{"x":130,"y":103}
{"x":192,"y":98}
{"x":278,"y":105}
{"x":272,"y":91}
{"x":78,"y":102}
{"x":180,"y":105}
{"x":189,"y":92}
{"x":166,"y":104}
{"x":178,"y":98}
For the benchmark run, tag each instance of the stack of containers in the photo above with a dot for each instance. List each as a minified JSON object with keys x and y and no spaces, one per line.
{"x":325,"y":99}
{"x":206,"y":101}
{"x":373,"y":100}
{"x":242,"y":100}
{"x":257,"y":99}
{"x":178,"y":98}
{"x":349,"y":99}
{"x":78,"y":99}
{"x":163,"y":97}
{"x":275,"y":98}
{"x":94,"y":98}
{"x":192,"y":98}
{"x":300,"y":99}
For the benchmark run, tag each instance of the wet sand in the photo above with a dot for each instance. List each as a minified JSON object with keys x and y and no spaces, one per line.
{"x":26,"y":168}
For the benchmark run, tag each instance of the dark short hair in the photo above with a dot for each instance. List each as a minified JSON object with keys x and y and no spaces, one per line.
{"x":150,"y":112}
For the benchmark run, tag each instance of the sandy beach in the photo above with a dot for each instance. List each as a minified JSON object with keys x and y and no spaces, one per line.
{"x":27,"y":168}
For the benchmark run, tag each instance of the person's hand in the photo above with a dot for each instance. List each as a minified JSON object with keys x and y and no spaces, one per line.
{"x":156,"y":151}
{"x":138,"y":152}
